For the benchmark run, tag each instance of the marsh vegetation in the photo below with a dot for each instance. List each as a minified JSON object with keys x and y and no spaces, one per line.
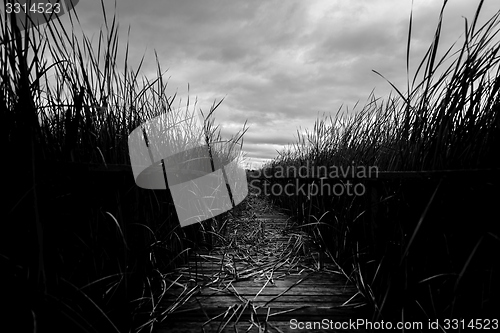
{"x":418,"y":245}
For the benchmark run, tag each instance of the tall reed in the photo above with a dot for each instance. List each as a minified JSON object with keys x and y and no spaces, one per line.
{"x":416,"y":248}
{"x":84,"y":250}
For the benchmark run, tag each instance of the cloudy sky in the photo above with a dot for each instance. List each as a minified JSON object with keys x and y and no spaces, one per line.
{"x":279,"y":63}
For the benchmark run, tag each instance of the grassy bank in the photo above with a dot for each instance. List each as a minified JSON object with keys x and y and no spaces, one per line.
{"x":82,"y":248}
{"x":419,"y":247}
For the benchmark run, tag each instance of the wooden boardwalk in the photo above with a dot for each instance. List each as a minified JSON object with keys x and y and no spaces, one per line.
{"x":268,"y":277}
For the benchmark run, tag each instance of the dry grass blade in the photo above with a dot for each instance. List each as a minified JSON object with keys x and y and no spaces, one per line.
{"x":275,"y":328}
{"x":181,"y":300}
{"x":261,"y":289}
{"x":466,"y":265}
{"x":420,"y":221}
{"x":350,"y":299}
{"x":224,"y":324}
{"x":119,"y":228}
{"x":95,"y":306}
{"x":237,"y":294}
{"x":286,"y":290}
{"x":287,"y":311}
{"x":241,"y":313}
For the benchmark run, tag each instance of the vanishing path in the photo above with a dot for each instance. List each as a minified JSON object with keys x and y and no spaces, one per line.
{"x":268,"y":277}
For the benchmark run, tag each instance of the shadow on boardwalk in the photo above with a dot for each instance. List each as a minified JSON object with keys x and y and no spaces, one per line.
{"x":268,"y":277}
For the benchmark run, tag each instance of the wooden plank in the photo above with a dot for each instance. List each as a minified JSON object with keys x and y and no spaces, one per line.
{"x":247,"y":326}
{"x":250,"y":292}
{"x":230,"y":296}
{"x":286,"y":322}
{"x":316,"y":280}
{"x":302,"y":313}
{"x":283,"y":302}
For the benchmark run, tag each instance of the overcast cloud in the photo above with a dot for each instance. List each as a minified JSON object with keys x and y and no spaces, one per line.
{"x":279,"y":64}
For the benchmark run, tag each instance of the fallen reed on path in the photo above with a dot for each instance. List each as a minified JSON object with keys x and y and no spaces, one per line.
{"x":253,"y":259}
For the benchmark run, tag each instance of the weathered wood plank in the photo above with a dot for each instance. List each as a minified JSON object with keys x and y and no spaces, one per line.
{"x":303,"y":314}
{"x":323,"y":325}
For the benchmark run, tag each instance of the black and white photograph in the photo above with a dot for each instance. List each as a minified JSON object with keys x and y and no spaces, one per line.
{"x":250,"y":166}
